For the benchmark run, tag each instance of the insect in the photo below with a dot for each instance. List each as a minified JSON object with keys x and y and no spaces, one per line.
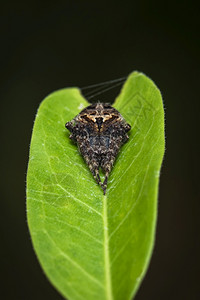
{"x":99,"y":131}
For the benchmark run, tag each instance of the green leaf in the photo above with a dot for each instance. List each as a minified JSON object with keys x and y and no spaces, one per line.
{"x":93,"y":246}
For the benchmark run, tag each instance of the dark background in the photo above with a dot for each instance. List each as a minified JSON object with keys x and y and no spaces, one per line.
{"x":50,"y":45}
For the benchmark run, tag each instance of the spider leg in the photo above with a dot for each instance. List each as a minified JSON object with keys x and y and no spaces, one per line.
{"x":106,"y":166}
{"x":106,"y":169}
{"x":94,"y":168}
{"x":69,"y":125}
{"x":104,"y":185}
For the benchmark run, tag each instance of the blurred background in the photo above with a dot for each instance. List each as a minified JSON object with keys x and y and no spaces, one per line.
{"x":50,"y":45}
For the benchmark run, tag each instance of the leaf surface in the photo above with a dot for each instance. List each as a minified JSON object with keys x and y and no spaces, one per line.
{"x":93,"y":246}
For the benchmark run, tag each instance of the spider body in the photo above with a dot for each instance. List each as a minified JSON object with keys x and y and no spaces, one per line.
{"x":99,"y":131}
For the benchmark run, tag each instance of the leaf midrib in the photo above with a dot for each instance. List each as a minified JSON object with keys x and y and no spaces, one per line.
{"x":108,"y":283}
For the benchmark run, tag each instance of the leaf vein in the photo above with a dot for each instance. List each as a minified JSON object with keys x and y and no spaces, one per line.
{"x":78,"y":200}
{"x":91,"y":277}
{"x":75,"y":227}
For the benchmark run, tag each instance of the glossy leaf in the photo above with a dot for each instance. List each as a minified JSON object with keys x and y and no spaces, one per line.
{"x":93,"y":246}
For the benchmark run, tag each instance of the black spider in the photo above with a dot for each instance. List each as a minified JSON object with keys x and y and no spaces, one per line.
{"x":99,"y":131}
